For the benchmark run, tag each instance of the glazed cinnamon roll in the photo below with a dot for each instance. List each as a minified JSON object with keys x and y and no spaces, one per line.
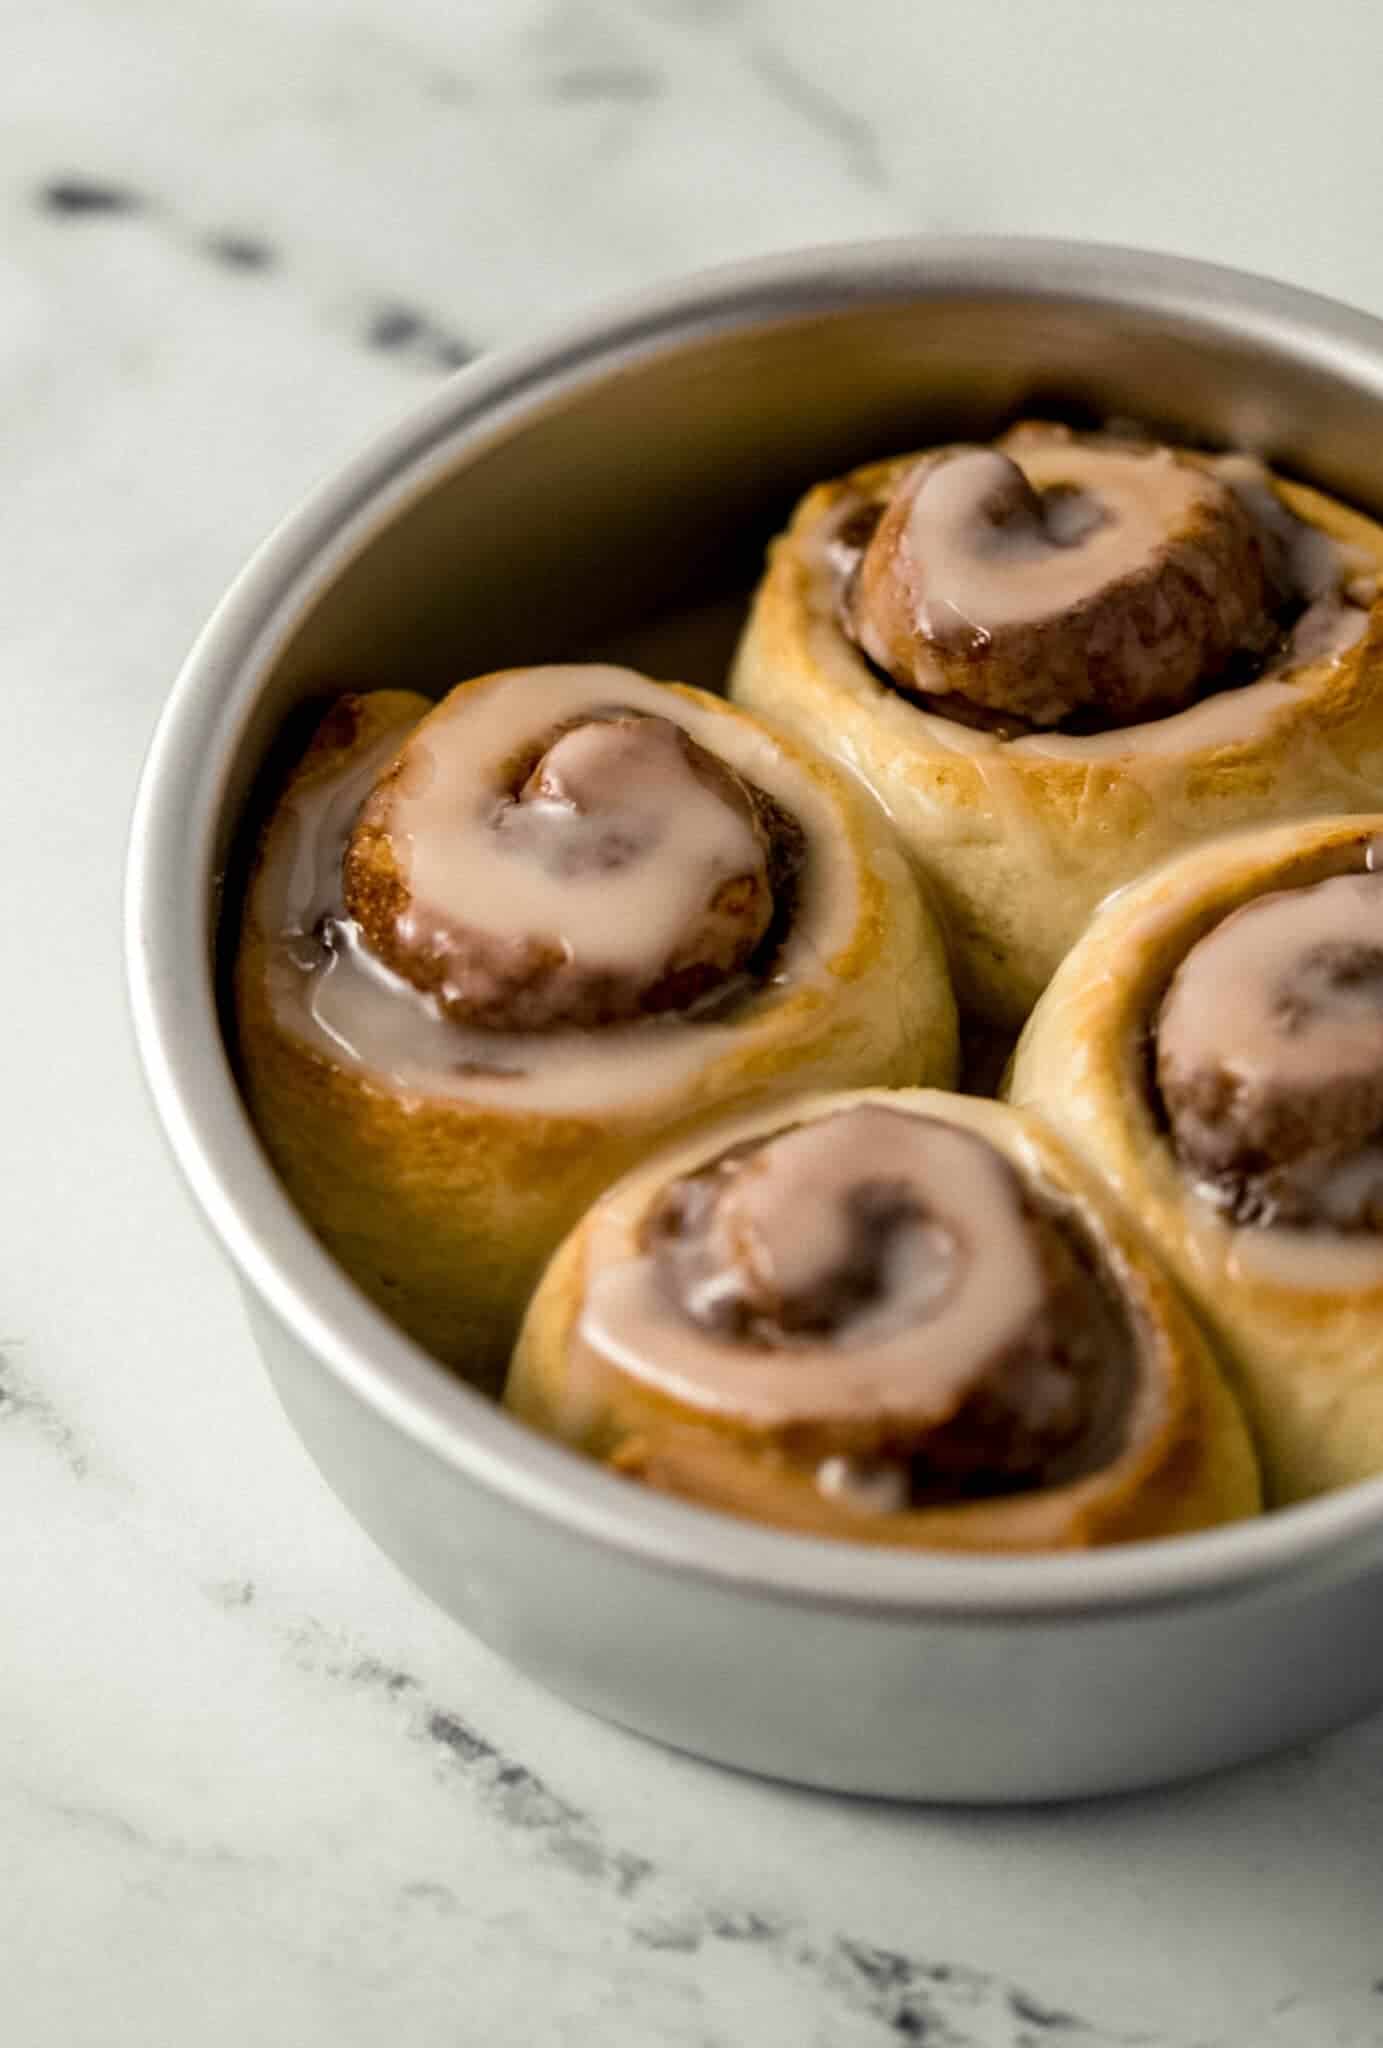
{"x":1214,"y":1045}
{"x":493,"y":950}
{"x":1061,"y":659}
{"x":902,"y":1318}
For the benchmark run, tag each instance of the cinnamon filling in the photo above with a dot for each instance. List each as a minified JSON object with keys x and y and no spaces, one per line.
{"x":616,"y":869}
{"x":1269,"y":1058}
{"x":879,"y":1298}
{"x":1078,"y":583}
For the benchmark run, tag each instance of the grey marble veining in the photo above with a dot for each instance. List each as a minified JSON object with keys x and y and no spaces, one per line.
{"x":252,"y":1788}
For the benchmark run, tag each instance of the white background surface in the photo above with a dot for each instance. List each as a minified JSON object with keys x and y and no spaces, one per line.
{"x":252,"y":1789}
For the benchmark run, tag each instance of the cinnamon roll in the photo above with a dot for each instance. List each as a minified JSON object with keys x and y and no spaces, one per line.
{"x":902,"y":1318}
{"x":1061,"y":659}
{"x":493,"y":950}
{"x":1214,"y":1045}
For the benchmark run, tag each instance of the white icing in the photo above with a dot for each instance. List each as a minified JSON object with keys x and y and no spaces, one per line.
{"x":1040,"y":563}
{"x":1230,"y":718}
{"x":913,"y":1355}
{"x":1311,"y":563}
{"x":1302,"y":1261}
{"x":1240,"y":715}
{"x":349,"y":1007}
{"x":613,"y":871}
{"x":784,"y":1219}
{"x":874,"y":1486}
{"x":1225,"y":1009}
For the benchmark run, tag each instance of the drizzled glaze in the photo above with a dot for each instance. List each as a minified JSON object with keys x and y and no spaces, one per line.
{"x":870,"y":1486}
{"x":1046,"y":555}
{"x":1237,"y":1002}
{"x":1310,"y":564}
{"x":1335,"y":581}
{"x":1269,"y":1055}
{"x":1081,"y":579}
{"x":615,"y":878}
{"x":1146,"y":922}
{"x":327,"y":991}
{"x":926,"y":1331}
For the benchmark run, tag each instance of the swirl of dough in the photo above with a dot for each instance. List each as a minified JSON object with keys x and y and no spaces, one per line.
{"x":494,"y":949}
{"x":873,"y":1286}
{"x":1214,"y":1047}
{"x":899,"y":1317}
{"x":1269,"y":1057}
{"x":612,"y":870}
{"x":1062,"y":578}
{"x":1044,"y":755}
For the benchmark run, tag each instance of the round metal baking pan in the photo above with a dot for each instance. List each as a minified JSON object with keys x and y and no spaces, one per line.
{"x":551,"y":499}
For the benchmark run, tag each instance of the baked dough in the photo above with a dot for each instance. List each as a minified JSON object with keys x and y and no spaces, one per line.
{"x":1021,"y":837}
{"x":800,"y":1373}
{"x":441,"y":1161}
{"x":1296,"y":1312}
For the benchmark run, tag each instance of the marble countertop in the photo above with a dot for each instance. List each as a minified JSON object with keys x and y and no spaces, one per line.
{"x":253,"y":1788}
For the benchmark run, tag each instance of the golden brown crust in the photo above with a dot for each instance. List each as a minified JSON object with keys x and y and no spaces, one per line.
{"x":1305,"y":1351}
{"x":1022,"y":838}
{"x":444,"y":1209}
{"x":1186,"y":1462}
